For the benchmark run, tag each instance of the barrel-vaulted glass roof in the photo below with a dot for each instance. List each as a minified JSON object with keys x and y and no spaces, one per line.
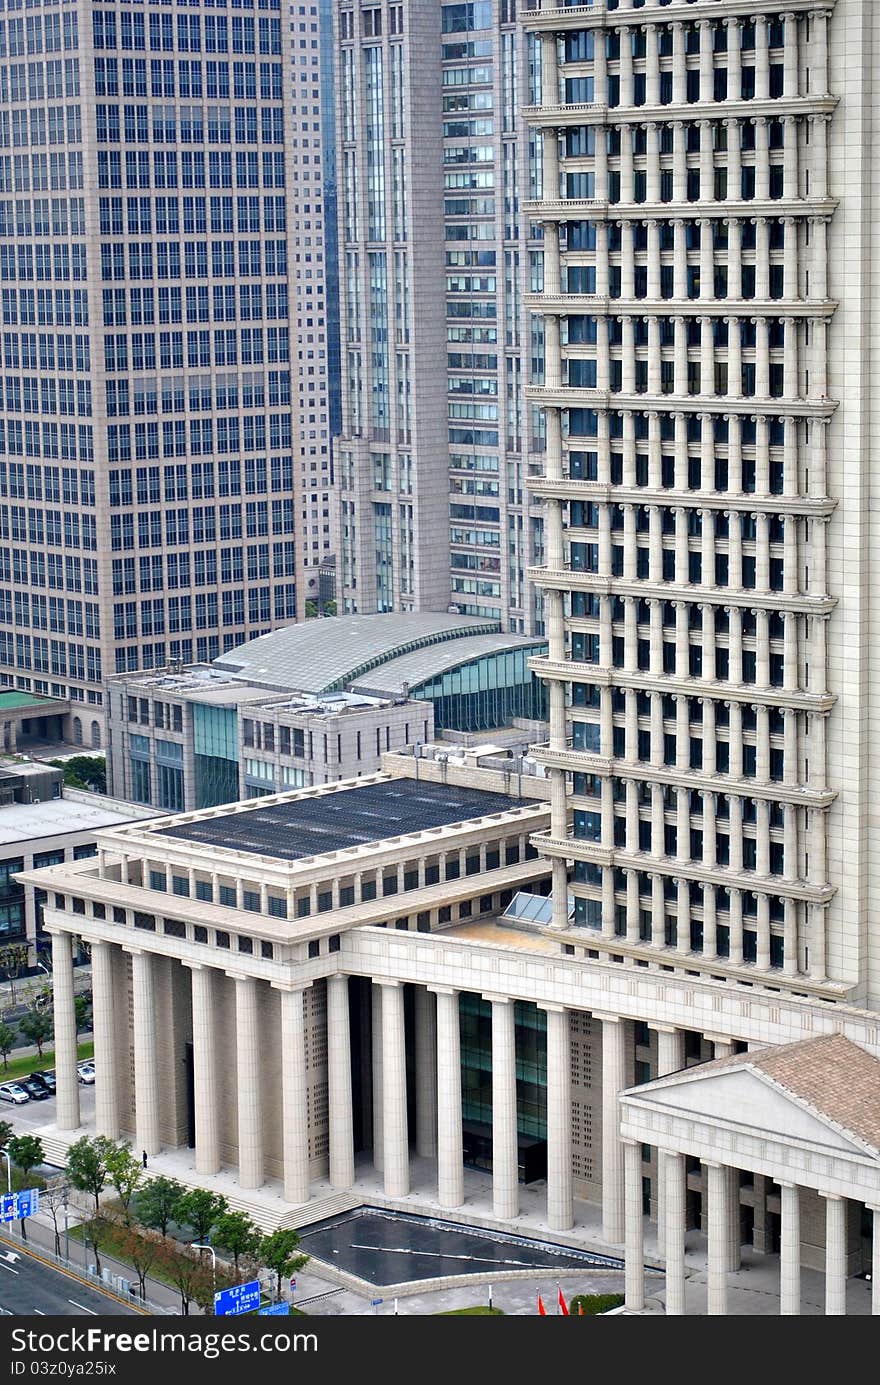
{"x":402,"y":649}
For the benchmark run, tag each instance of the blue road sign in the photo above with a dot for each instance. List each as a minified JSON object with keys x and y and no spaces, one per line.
{"x":274,"y":1308}
{"x":14,"y":1206}
{"x":374,"y":1302}
{"x":241,"y":1298}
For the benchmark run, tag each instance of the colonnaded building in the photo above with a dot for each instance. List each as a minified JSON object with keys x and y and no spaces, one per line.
{"x":370,"y":976}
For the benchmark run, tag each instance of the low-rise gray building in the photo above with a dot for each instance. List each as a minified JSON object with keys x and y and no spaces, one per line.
{"x":44,"y":823}
{"x":311,"y":704}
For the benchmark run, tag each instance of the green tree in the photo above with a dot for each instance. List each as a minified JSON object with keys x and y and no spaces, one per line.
{"x":311,"y":609}
{"x":7,"y":1042}
{"x":36,"y":1028}
{"x":142,"y":1249}
{"x":53,"y":1199}
{"x":330,"y":608}
{"x":156,"y":1202}
{"x":235,"y":1232}
{"x":5,"y":1133}
{"x":26,"y":1152}
{"x":87,"y":1166}
{"x":125,"y":1173}
{"x":13,"y":960}
{"x":82,"y":1004}
{"x":279,"y":1253}
{"x":200,"y":1210}
{"x":84,"y":772}
{"x":93,"y":1231}
{"x":189,"y":1271}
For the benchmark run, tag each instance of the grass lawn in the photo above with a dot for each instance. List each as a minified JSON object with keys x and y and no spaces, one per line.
{"x":481,"y":1311}
{"x":22,"y":1067}
{"x":111,"y":1239}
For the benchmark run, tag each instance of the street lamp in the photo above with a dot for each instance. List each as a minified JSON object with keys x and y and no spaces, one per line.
{"x":66,"y":1224}
{"x":197,"y":1246}
{"x":5,"y":1153}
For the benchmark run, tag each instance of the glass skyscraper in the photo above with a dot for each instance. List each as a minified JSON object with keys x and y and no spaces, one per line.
{"x":150,"y":469}
{"x":437,"y":440}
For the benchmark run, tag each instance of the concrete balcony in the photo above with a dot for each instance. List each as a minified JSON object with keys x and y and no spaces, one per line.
{"x":797,"y":794}
{"x":572,"y":397}
{"x":600,"y":209}
{"x":571,"y":670}
{"x":560,"y":115}
{"x":577,"y":849}
{"x":565,"y":579}
{"x":598,"y":305}
{"x":596,"y":16}
{"x":565,"y":488}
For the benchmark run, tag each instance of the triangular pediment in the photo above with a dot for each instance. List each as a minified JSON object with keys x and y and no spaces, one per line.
{"x":747,"y":1100}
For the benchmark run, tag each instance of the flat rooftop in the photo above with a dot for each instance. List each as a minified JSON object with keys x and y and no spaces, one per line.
{"x":23,"y":822}
{"x":11,"y":699}
{"x":312,"y":825}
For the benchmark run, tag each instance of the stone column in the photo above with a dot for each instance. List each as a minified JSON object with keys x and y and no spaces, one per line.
{"x":450,"y":1155}
{"x":205,"y":1097}
{"x":790,"y":1252}
{"x":505,"y":1155}
{"x":560,"y":1210}
{"x":670,"y":1058}
{"x":734,"y":1238}
{"x":426,"y":1074}
{"x":339,"y":1084}
{"x":106,"y":1101}
{"x":294,"y":1101}
{"x":378,"y":1138}
{"x":146,"y":1071}
{"x":718,"y":1237}
{"x":65,"y":1032}
{"x":249,"y":1077}
{"x":673,"y":1232}
{"x":835,"y":1255}
{"x":634,"y":1251}
{"x":734,"y":59}
{"x":613,"y":1079}
{"x":395,"y":1136}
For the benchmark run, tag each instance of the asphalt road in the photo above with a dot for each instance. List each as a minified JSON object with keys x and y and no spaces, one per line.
{"x":29,"y":1288}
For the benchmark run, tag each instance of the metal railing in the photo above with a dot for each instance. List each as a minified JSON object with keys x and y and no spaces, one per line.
{"x":115,"y":1285}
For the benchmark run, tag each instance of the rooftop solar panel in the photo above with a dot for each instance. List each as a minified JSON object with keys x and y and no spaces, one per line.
{"x":349,"y":817}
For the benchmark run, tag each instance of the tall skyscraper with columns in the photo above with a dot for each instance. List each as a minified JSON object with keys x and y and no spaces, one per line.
{"x":156,"y":498}
{"x":686,"y":1028}
{"x":707,"y":555}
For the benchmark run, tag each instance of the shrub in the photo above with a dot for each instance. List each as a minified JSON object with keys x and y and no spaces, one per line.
{"x":593,"y":1303}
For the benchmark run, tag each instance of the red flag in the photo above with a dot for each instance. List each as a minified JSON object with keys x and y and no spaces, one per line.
{"x":580,"y":1310}
{"x":542,"y":1311}
{"x":563,"y":1306}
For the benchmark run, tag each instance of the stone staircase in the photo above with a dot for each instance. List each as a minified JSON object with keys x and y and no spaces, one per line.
{"x":268,"y":1212}
{"x":318,"y":1209}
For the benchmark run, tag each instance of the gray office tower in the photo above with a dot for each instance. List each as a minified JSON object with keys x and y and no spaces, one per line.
{"x":437,"y":439}
{"x":160,"y":429}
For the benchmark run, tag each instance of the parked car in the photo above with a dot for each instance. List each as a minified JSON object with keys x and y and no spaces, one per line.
{"x":47,"y":1076}
{"x":35,"y":1090}
{"x":85,"y":1071}
{"x":12,"y":1091}
{"x":39,"y":1079}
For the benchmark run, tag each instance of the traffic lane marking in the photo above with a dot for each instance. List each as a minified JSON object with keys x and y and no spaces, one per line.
{"x":82,"y":1307}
